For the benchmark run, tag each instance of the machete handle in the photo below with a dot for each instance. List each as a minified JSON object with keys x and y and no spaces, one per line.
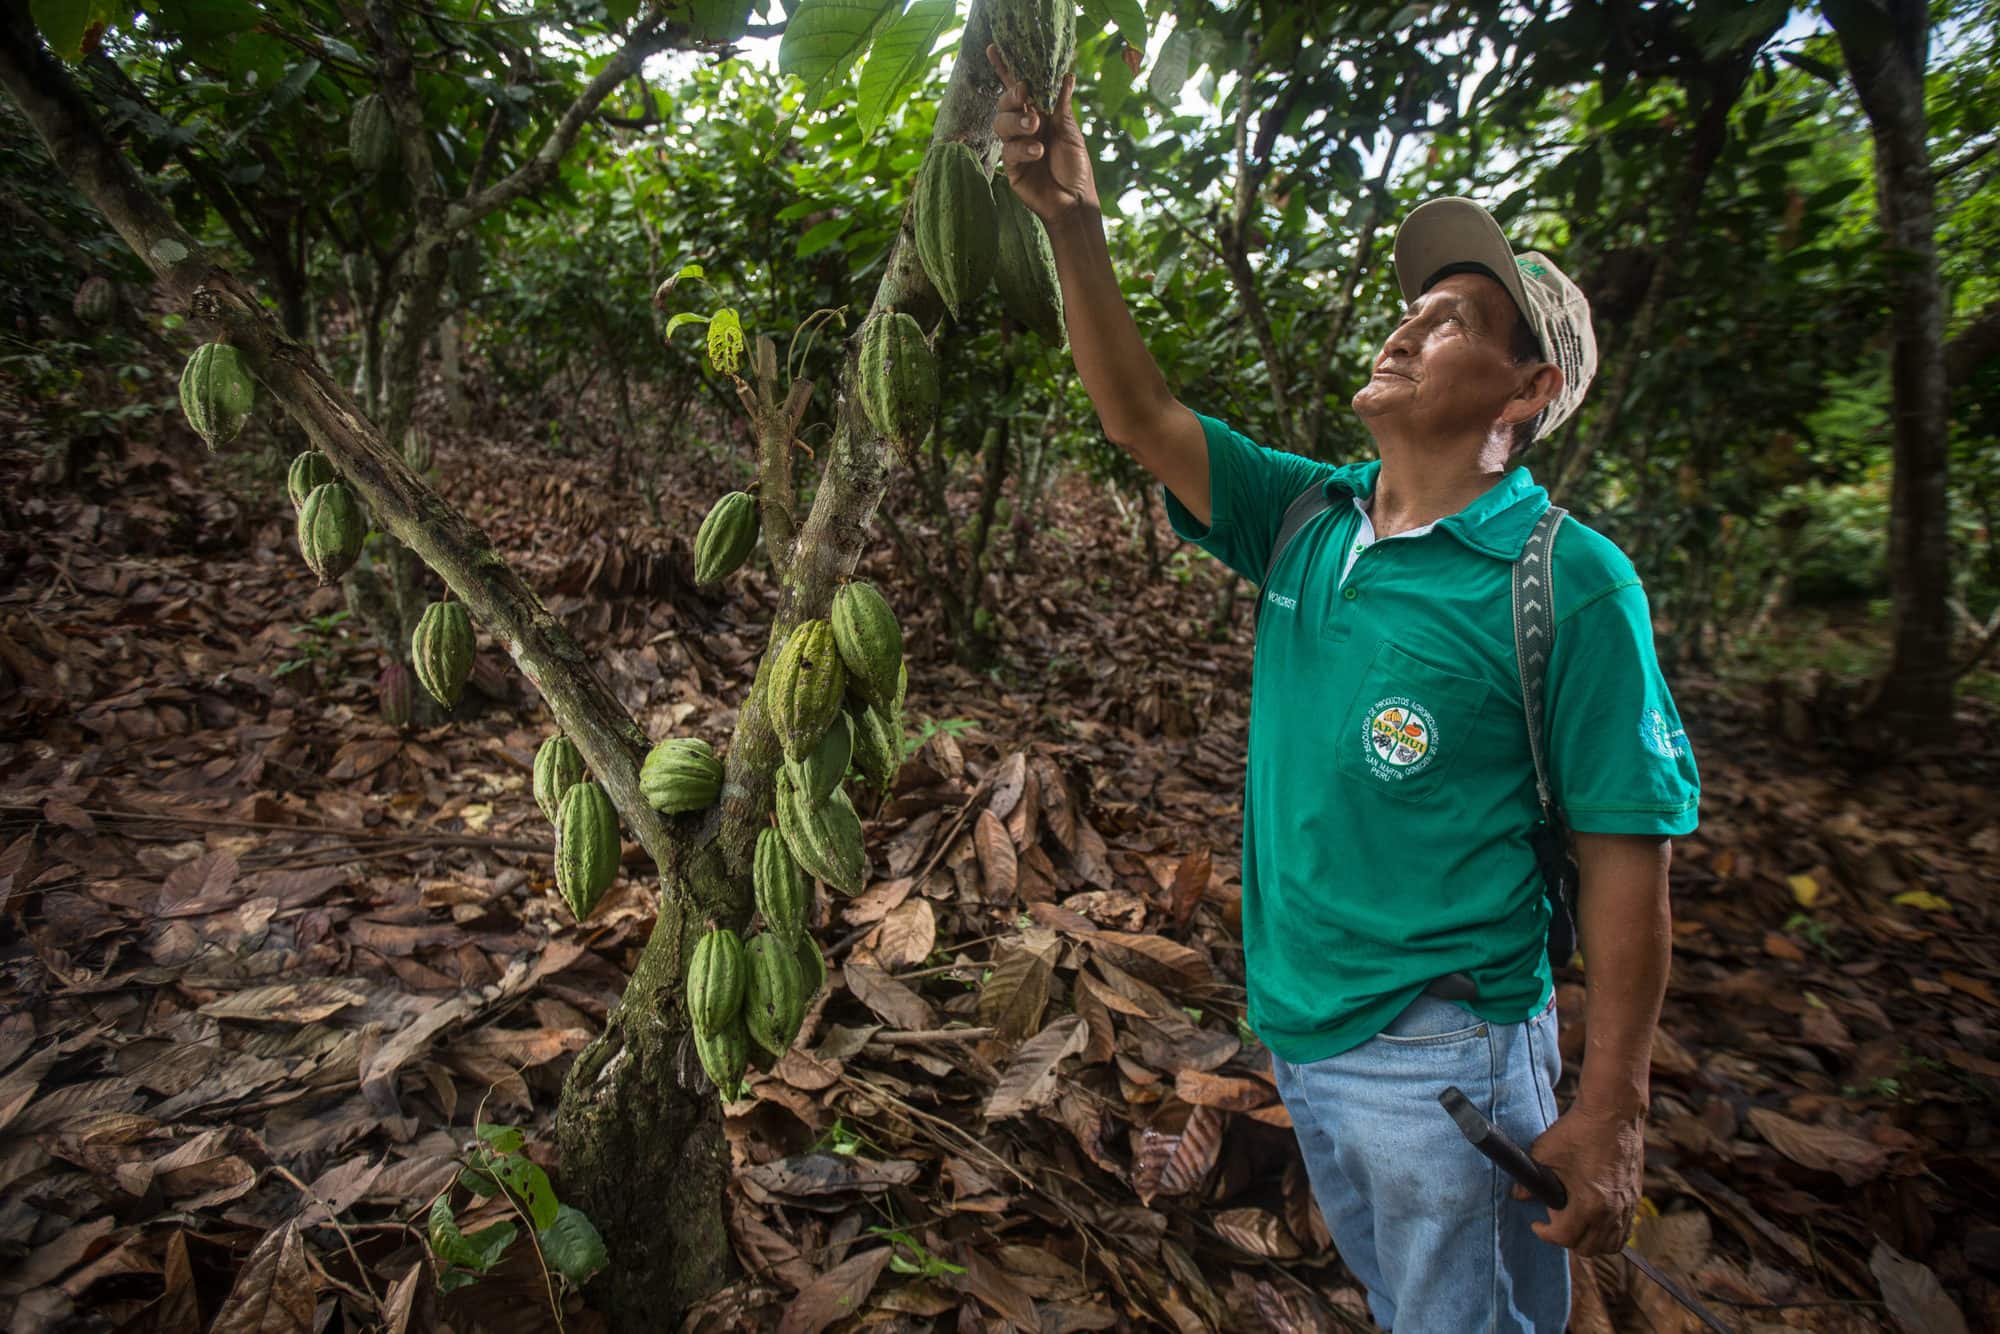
{"x":1510,"y":1157}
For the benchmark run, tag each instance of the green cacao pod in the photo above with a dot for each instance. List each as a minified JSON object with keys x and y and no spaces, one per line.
{"x":899,"y":381}
{"x":812,"y":967}
{"x":442,"y":649}
{"x":715,"y":981}
{"x":895,"y":714}
{"x":878,"y":747}
{"x":1037,"y":38}
{"x":819,"y":773}
{"x":96,"y":300}
{"x":725,"y":1055}
{"x":784,"y":895}
{"x":825,"y":839}
{"x":310,"y":469}
{"x":774,"y":993}
{"x":586,"y":847}
{"x":805,"y":687}
{"x":1026,"y":273}
{"x":958,"y":238}
{"x":371,"y":135}
{"x":396,"y":692}
{"x":417,"y":449}
{"x":216,"y":393}
{"x":331,"y":531}
{"x":726,"y":538}
{"x":681,"y":774}
{"x":869,"y":641}
{"x":558,"y":768}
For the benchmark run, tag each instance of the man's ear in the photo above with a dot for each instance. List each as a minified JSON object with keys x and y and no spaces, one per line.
{"x":1536,"y":392}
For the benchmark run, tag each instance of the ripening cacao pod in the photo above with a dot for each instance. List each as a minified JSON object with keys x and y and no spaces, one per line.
{"x":96,"y":300}
{"x":396,"y":692}
{"x":895,"y":714}
{"x":310,"y":469}
{"x":812,"y":967}
{"x":417,"y":449}
{"x":681,"y":774}
{"x":216,"y":393}
{"x":784,"y":895}
{"x":878,"y":747}
{"x":899,"y":381}
{"x":819,"y":773}
{"x":586,"y":847}
{"x":1037,"y":38}
{"x":558,"y":768}
{"x":869,"y":641}
{"x":958,"y":238}
{"x":331,"y":531}
{"x":715,"y":981}
{"x":371,"y":134}
{"x":825,"y":839}
{"x":774,"y":993}
{"x":442,"y":650}
{"x":725,"y":1055}
{"x":726,"y":538}
{"x":805,"y":688}
{"x":1026,"y":272}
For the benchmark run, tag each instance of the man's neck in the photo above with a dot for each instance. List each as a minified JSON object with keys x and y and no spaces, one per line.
{"x":1418,"y":485}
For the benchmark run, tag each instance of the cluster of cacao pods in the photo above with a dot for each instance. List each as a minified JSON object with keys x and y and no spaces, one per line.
{"x":587,"y":851}
{"x":971,"y":229}
{"x":739,"y":994}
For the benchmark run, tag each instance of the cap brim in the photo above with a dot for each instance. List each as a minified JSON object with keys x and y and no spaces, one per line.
{"x":1448,"y":231}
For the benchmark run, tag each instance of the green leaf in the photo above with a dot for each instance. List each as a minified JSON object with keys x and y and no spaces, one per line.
{"x":685,"y":317}
{"x":823,"y":39}
{"x":719,"y":20}
{"x":1170,"y":71}
{"x":898,"y":60}
{"x":490,"y":1243}
{"x":201,"y":20}
{"x":531,"y":1184}
{"x":620,"y":11}
{"x":725,"y":341}
{"x":1128,"y":16}
{"x":64,"y":23}
{"x":501,"y":1139}
{"x":572,"y":1245}
{"x":823,"y":234}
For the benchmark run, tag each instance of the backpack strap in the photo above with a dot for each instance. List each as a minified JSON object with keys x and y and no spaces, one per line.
{"x":1308,"y":505}
{"x":1535,"y":636}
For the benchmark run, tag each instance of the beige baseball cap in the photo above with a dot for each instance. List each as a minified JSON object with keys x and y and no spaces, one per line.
{"x":1455,"y":233}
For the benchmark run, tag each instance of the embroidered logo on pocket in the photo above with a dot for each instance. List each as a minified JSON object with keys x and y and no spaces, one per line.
{"x":1399,"y":738}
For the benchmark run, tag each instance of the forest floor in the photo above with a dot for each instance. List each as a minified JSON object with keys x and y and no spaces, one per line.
{"x":263,"y":959}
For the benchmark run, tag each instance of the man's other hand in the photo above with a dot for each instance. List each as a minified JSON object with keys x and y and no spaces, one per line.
{"x":1602,"y":1164}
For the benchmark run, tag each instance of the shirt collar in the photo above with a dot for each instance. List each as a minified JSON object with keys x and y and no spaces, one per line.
{"x":1497,"y":524}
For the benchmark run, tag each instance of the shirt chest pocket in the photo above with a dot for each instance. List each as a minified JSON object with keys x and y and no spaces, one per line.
{"x":1407,"y":725}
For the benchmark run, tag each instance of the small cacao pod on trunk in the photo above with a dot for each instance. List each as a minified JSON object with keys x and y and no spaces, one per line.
{"x":878,"y":746}
{"x":396,"y":693}
{"x":899,"y":382}
{"x":715,"y":981}
{"x":586,"y":847}
{"x":819,"y":773}
{"x":726,"y":537}
{"x":805,"y":688}
{"x":774,"y":993}
{"x":958,"y":238}
{"x":309,"y":470}
{"x":824,"y":839}
{"x":784,"y":895}
{"x":96,"y":300}
{"x":869,"y":640}
{"x":442,"y":651}
{"x":371,"y":134}
{"x":331,"y":531}
{"x":216,"y":393}
{"x":558,"y":768}
{"x":725,"y":1055}
{"x":681,"y":774}
{"x":1037,"y":39}
{"x":1026,"y":273}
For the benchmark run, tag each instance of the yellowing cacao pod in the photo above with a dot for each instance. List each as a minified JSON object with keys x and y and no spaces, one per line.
{"x":216,"y":393}
{"x":812,"y":967}
{"x":726,"y":538}
{"x":308,"y":470}
{"x":1037,"y":38}
{"x":96,"y":300}
{"x":868,"y":639}
{"x":586,"y":847}
{"x":725,"y":1055}
{"x":784,"y":895}
{"x":825,"y":839}
{"x":371,"y":134}
{"x":396,"y":693}
{"x":899,"y":380}
{"x":819,"y":773}
{"x":441,"y":651}
{"x":958,"y":238}
{"x":804,"y":692}
{"x":331,"y":531}
{"x":774,"y":994}
{"x":878,"y":747}
{"x":1026,"y":272}
{"x":681,"y":774}
{"x":558,"y":768}
{"x":715,"y":981}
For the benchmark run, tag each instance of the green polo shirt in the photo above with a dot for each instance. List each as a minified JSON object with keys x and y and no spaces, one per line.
{"x":1390,"y":789}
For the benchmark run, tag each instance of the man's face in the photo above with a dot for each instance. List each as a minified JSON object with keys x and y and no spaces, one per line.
{"x":1446,"y":371}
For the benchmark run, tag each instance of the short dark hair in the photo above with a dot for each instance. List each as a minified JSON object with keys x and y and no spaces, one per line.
{"x":1522,"y":348}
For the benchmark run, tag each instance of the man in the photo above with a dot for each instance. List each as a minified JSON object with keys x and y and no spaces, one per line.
{"x":1390,"y":789}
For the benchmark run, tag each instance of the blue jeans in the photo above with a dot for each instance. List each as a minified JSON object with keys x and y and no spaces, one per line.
{"x":1422,"y":1219}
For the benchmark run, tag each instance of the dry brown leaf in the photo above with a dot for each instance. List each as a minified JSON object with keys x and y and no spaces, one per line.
{"x":898,"y":1006}
{"x":1010,"y":779}
{"x":907,"y":935}
{"x":1015,"y":993}
{"x":1172,"y":1154}
{"x":1258,"y":1232}
{"x":838,"y":1293}
{"x":288,"y":1002}
{"x":1913,"y":1294}
{"x":1221,"y":1091}
{"x":999,"y":865}
{"x":1190,"y":883}
{"x":1031,"y":1079}
{"x":997,"y":1288}
{"x":274,"y":1292}
{"x":1822,"y":1148}
{"x":1162,"y":962}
